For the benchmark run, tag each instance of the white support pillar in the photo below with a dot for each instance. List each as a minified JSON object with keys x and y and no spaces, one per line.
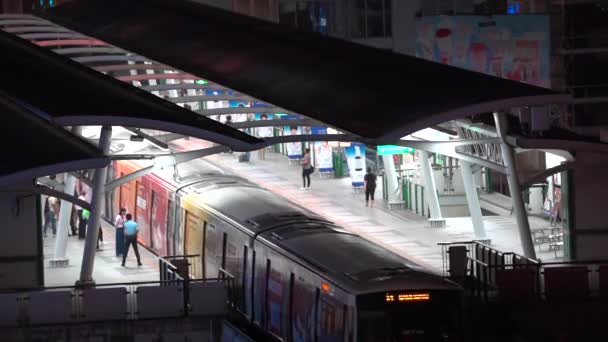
{"x":519,"y":207}
{"x":437,"y":221}
{"x":472,"y":200}
{"x":88,"y":257}
{"x":392,"y":184}
{"x":65,"y":213}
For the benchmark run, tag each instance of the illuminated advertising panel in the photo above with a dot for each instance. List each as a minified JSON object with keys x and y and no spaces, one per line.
{"x":507,"y":46}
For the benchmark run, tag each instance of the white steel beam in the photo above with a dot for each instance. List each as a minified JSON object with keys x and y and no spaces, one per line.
{"x":472,"y":200}
{"x":519,"y":207}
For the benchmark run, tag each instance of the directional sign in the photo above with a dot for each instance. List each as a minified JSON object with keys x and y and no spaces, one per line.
{"x":393,"y":149}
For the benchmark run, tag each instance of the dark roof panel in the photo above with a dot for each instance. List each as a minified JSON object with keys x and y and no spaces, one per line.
{"x":370,"y":92}
{"x":33,"y":147}
{"x":72,"y":94}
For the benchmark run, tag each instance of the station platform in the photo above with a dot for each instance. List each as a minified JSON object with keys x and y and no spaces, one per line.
{"x":400,"y":230}
{"x":107,"y":266}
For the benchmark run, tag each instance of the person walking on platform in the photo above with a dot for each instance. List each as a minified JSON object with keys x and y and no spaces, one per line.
{"x":131,"y":231}
{"x":307,"y":169}
{"x":370,"y":187}
{"x":119,"y":224}
{"x":50,"y":214}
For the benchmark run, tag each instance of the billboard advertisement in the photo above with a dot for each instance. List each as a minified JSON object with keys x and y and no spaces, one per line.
{"x":355,"y":158}
{"x":507,"y":46}
{"x":294,"y":149}
{"x":323,"y":151}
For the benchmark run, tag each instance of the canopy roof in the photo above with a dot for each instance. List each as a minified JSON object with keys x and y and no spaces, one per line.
{"x":35,"y":147}
{"x":72,"y":94}
{"x":373,"y":93}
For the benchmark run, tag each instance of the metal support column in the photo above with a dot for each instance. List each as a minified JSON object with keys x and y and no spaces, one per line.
{"x":65,"y":214}
{"x":393,"y":187}
{"x":519,"y":207}
{"x":436,"y":220}
{"x":88,"y":258}
{"x":472,"y":200}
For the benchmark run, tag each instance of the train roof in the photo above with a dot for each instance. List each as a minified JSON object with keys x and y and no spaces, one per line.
{"x":363,"y":266}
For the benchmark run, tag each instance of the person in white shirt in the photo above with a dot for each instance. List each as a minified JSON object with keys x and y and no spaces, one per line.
{"x":119,"y":224}
{"x":50,"y":214}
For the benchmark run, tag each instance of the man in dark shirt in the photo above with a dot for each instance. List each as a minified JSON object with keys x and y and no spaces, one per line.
{"x":370,"y":187}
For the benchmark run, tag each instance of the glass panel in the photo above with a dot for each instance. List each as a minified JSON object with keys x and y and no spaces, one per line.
{"x":331,"y":321}
{"x":303,"y":312}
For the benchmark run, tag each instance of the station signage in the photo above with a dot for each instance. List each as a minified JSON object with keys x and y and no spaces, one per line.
{"x":393,"y":149}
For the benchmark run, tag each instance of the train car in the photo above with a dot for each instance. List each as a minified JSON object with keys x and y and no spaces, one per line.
{"x":297,"y":276}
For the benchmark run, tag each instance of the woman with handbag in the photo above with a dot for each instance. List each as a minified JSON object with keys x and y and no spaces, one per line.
{"x":307,"y":169}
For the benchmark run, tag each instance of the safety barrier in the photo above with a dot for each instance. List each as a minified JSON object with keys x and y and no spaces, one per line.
{"x":110,"y":302}
{"x":176,"y":294}
{"x":491,"y":274}
{"x":483,"y":269}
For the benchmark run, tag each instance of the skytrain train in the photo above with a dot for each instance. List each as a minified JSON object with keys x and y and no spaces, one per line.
{"x":297,"y":276}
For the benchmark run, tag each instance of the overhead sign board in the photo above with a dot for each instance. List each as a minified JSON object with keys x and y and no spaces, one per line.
{"x":393,"y":149}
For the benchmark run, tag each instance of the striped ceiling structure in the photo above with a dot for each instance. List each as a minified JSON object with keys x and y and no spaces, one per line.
{"x":189,"y":91}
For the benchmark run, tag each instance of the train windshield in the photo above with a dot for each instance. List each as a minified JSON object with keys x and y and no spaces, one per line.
{"x":405,"y":317}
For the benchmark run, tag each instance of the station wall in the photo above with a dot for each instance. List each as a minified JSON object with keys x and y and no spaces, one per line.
{"x":587,"y":234}
{"x":21,"y":264}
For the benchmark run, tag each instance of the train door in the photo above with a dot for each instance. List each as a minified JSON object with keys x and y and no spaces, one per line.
{"x":158,"y":222}
{"x":331,"y":322}
{"x":142,"y":211}
{"x":194,"y":236}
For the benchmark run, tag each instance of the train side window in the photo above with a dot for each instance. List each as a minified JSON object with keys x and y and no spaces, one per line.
{"x":331,"y":320}
{"x":151,"y":219}
{"x":204,"y":251}
{"x":275,"y":300}
{"x":244,"y":281}
{"x":170,"y":227}
{"x":303,"y":311}
{"x":224,"y":242}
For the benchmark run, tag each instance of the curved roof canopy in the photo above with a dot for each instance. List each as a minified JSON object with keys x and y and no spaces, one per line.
{"x":35,"y":147}
{"x":72,"y":94}
{"x":373,"y":93}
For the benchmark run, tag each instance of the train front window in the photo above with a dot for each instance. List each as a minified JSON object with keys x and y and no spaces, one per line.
{"x":407,"y":322}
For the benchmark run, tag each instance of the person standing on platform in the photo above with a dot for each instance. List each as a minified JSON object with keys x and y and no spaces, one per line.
{"x":119,"y":224}
{"x":370,"y":187}
{"x":307,"y":169}
{"x":131,"y":231}
{"x":50,"y":215}
{"x":99,"y":238}
{"x":73,"y":221}
{"x":82,"y":223}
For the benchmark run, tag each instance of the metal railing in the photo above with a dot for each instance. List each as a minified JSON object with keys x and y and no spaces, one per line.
{"x":169,"y":297}
{"x":488,"y":274}
{"x":477,"y":266}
